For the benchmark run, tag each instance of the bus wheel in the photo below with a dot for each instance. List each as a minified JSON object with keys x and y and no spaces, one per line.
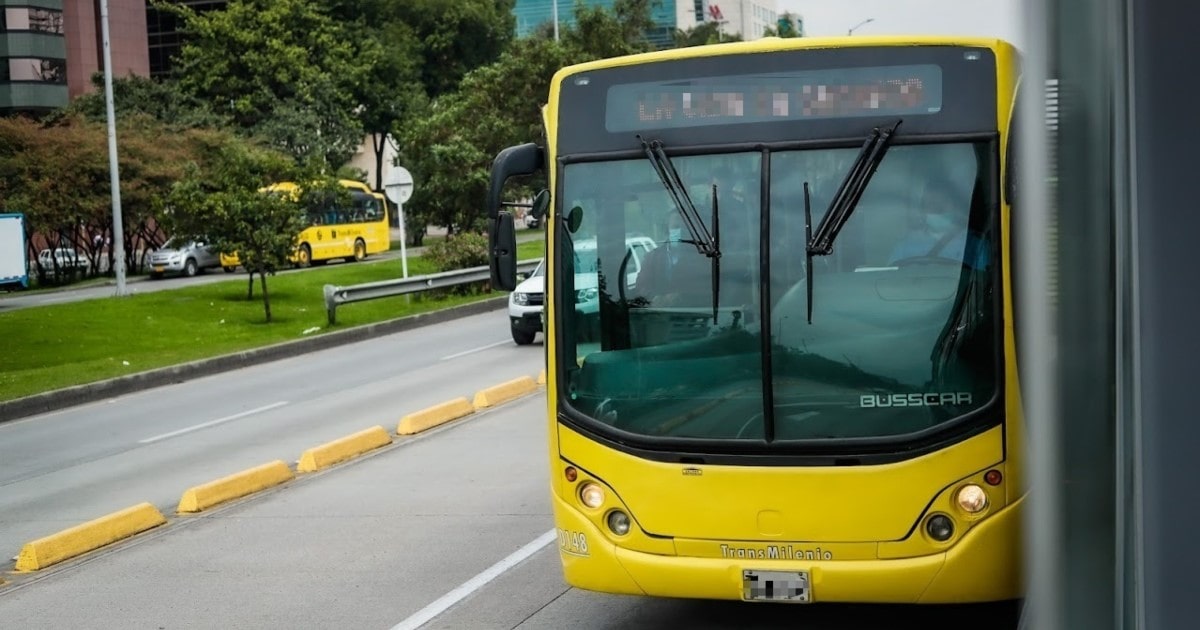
{"x":304,"y":256}
{"x":229,"y":269}
{"x":360,"y":252}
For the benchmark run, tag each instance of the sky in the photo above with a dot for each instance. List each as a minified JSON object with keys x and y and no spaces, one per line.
{"x":993,"y":18}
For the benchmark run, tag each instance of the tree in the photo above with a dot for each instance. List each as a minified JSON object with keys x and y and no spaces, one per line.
{"x":224,"y":204}
{"x":704,"y":34}
{"x":456,"y":37}
{"x":163,"y":100}
{"x":600,"y":33}
{"x":786,"y":26}
{"x":58,"y":175}
{"x":257,"y":57}
{"x":451,"y":147}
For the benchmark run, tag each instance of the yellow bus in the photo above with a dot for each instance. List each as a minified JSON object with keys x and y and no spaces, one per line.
{"x":352,"y":232}
{"x":808,"y":391}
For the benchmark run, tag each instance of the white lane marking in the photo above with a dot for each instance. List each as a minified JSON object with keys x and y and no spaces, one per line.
{"x":444,"y":602}
{"x":474,"y":350}
{"x":212,"y":423}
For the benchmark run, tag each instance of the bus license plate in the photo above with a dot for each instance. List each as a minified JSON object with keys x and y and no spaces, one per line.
{"x":776,"y":586}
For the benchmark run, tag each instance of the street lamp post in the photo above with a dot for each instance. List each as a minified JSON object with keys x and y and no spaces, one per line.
{"x":555,"y":11}
{"x":118,"y":240}
{"x":859,"y":25}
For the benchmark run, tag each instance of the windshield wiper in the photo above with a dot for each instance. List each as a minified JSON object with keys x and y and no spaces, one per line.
{"x":844,"y":201}
{"x":701,"y":238}
{"x":851,"y":190}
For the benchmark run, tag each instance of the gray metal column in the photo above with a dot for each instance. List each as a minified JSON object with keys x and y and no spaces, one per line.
{"x":1166,"y":229}
{"x":1068,"y":297}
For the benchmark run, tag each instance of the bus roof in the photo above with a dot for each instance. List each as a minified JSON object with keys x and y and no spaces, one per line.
{"x":775,"y":44}
{"x":292,"y":186}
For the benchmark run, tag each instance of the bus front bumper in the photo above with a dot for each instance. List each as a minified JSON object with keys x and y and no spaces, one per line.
{"x":984,"y":566}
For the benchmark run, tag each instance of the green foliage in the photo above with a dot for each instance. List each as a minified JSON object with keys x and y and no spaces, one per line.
{"x":461,"y":251}
{"x":785,"y":26}
{"x":58,"y":175}
{"x":704,"y":34}
{"x":450,"y":149}
{"x":456,"y":37}
{"x":223,"y":205}
{"x":133,"y":96}
{"x":600,"y":33}
{"x":284,"y":69}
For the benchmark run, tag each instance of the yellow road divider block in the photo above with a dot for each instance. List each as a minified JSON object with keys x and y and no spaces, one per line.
{"x":234,"y":486}
{"x":542,"y":377}
{"x":433,"y":416}
{"x":504,"y":392}
{"x":340,"y":450}
{"x":88,"y":536}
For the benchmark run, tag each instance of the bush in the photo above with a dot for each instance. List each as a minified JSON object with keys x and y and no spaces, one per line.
{"x":460,"y":251}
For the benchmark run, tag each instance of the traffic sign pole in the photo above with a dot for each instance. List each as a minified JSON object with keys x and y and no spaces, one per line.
{"x":399,"y":187}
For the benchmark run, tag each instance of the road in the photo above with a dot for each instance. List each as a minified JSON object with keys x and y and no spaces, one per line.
{"x":80,"y":463}
{"x":401,"y":539}
{"x":142,"y":284}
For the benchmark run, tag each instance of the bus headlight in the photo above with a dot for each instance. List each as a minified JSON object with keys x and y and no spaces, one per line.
{"x":591,"y":494}
{"x":618,"y":522}
{"x":971,"y":499}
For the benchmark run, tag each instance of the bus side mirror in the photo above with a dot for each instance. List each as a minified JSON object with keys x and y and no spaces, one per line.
{"x":504,"y":252}
{"x":540,"y":203}
{"x":523,"y":159}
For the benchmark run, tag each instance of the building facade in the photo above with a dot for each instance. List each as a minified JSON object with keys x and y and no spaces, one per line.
{"x":85,"y":41}
{"x":33,"y":56}
{"x":163,"y":35}
{"x":747,"y":18}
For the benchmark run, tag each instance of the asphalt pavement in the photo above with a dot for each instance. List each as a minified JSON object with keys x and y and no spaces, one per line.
{"x":450,"y":530}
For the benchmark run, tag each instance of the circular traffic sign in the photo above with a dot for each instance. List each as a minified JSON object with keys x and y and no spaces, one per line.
{"x":399,"y":185}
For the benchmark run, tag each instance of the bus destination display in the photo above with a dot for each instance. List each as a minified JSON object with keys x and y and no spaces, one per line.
{"x":775,"y":97}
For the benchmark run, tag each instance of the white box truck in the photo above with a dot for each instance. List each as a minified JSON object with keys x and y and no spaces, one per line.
{"x":14,"y":264}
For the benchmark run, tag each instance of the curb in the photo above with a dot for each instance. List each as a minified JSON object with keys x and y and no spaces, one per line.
{"x":330,"y":453}
{"x":88,"y":536}
{"x":95,"y":534}
{"x":237,"y":485}
{"x":91,"y":392}
{"x":433,"y":416}
{"x":504,"y":392}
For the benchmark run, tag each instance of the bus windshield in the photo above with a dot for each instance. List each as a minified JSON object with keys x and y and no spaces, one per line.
{"x":903,"y":337}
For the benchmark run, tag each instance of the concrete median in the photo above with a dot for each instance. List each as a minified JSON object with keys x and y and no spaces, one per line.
{"x":434,"y":416}
{"x":88,"y":536}
{"x":235,"y":486}
{"x":330,"y":453}
{"x":504,"y":392}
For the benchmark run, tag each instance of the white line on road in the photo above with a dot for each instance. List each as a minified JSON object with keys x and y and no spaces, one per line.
{"x":472,"y":351}
{"x":444,"y":602}
{"x":213,"y":423}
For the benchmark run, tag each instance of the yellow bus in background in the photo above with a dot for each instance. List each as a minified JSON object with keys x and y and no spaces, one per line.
{"x":352,"y":232}
{"x":809,"y":391}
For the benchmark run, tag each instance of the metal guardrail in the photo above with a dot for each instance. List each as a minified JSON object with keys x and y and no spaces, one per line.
{"x":336,"y":296}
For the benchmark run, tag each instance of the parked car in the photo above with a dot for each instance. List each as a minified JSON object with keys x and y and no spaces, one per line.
{"x":183,"y":258}
{"x":526,"y":301}
{"x":62,"y":260}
